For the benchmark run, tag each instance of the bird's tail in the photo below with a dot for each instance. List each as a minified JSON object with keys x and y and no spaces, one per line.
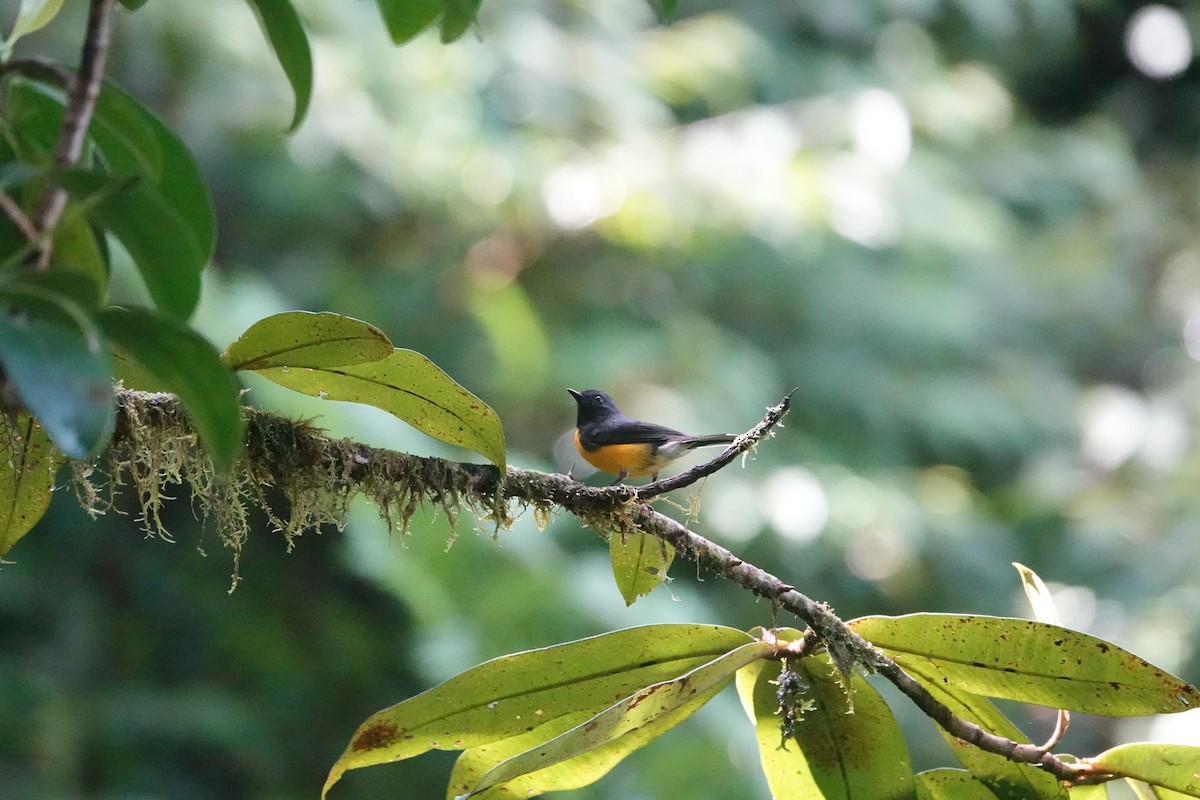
{"x":692,"y":442}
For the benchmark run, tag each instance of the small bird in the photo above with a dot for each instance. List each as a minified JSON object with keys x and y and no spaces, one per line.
{"x":616,"y":444}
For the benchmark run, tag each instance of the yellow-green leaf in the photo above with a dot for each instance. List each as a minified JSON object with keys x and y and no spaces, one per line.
{"x":1008,"y":780}
{"x":304,"y":339}
{"x":1172,"y":766}
{"x":645,"y":707}
{"x":951,"y":784}
{"x":1030,"y":662}
{"x":844,"y":745}
{"x":639,"y":563}
{"x":572,"y":773}
{"x":28,"y":463}
{"x":504,"y":697}
{"x":411,"y":387}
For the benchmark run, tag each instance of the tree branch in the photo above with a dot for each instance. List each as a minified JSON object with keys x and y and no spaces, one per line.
{"x":153,"y":441}
{"x":82,"y":91}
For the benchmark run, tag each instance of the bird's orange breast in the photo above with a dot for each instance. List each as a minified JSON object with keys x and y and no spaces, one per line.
{"x":635,"y":460}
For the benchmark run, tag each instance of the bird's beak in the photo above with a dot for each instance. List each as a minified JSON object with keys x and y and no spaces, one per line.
{"x":575,"y":394}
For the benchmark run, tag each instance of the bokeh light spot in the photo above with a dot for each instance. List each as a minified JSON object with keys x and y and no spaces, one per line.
{"x":795,"y":503}
{"x":1157,"y":41}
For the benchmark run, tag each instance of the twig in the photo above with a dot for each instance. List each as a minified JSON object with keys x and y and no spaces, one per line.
{"x":740,"y":445}
{"x":17,"y":215}
{"x":82,"y":91}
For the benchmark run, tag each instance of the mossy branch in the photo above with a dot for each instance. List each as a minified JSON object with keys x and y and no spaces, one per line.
{"x":155,"y":447}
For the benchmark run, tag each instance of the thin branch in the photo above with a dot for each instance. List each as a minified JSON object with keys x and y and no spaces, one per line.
{"x":82,"y":91}
{"x":740,"y":445}
{"x":280,"y":447}
{"x":16,"y":214}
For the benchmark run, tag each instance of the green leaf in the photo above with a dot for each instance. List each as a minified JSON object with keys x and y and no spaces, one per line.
{"x":51,"y":354}
{"x":951,"y":784}
{"x":573,"y":773}
{"x":639,"y":563}
{"x":285,"y":32}
{"x":304,"y":339}
{"x":1172,"y":766}
{"x":412,"y":388}
{"x":457,"y":16}
{"x":152,"y":230}
{"x":665,"y":9}
{"x":1031,"y":662}
{"x":28,"y":464}
{"x":134,"y":141}
{"x":185,"y":364}
{"x":133,"y":5}
{"x":1088,"y":791}
{"x":79,"y":260}
{"x":1008,"y":780}
{"x":844,"y":745}
{"x":35,"y":114}
{"x":645,"y":707}
{"x":406,"y":18}
{"x":31,"y":16}
{"x":503,"y":697}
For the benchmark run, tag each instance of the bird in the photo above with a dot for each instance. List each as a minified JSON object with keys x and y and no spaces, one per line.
{"x":618,"y":445}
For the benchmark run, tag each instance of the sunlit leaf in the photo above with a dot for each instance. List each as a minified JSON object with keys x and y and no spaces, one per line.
{"x":1175,"y":767}
{"x":1038,"y":594}
{"x":501,"y":698}
{"x":951,"y":784}
{"x":51,"y":354}
{"x":639,"y":563}
{"x":152,"y":230}
{"x":1028,"y":661}
{"x":33,"y":15}
{"x":28,"y":463}
{"x":412,"y":388}
{"x":304,"y":339}
{"x":457,"y":17}
{"x":1008,"y":780}
{"x":184,"y":363}
{"x":572,"y":773}
{"x":646,"y":707}
{"x":406,"y":18}
{"x":285,"y":32}
{"x":844,"y":745}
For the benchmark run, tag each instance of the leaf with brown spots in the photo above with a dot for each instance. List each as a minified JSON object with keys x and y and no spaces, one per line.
{"x":1031,"y":662}
{"x":1175,"y":767}
{"x":843,"y":745}
{"x":515,"y":694}
{"x":27,"y":478}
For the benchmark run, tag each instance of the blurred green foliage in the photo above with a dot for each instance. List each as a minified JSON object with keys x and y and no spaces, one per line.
{"x":965,"y":231}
